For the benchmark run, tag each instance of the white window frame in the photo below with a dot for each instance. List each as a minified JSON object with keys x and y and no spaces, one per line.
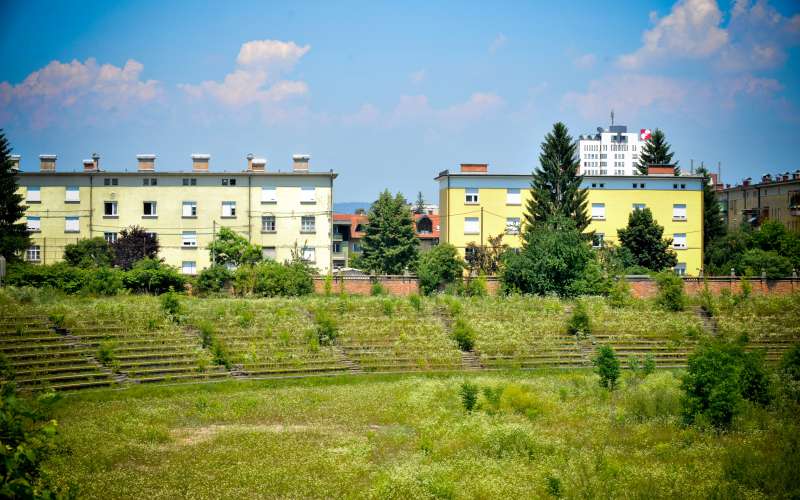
{"x":189,"y":209}
{"x":229,"y":209}
{"x":72,"y":194}
{"x":472,"y":225}
{"x":310,"y":254}
{"x":153,"y":209}
{"x":305,"y":227}
{"x":269,"y":194}
{"x":34,"y":194}
{"x":638,"y":206}
{"x":308,"y":195}
{"x":189,"y":239}
{"x":274,"y":223}
{"x":680,"y":269}
{"x":598,"y":211}
{"x":110,"y":237}
{"x":33,"y":253}
{"x":513,"y":225}
{"x":191,"y":268}
{"x":679,"y":212}
{"x":72,"y":224}
{"x":34,"y":224}
{"x":471,"y":196}
{"x":113,"y":205}
{"x":679,"y":241}
{"x":598,"y":240}
{"x":513,"y":196}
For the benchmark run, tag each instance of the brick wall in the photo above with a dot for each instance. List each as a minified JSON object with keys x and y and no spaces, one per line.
{"x":357,"y":285}
{"x":646,"y":287}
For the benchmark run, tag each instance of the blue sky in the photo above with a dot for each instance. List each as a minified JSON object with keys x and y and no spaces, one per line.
{"x":389,"y":94}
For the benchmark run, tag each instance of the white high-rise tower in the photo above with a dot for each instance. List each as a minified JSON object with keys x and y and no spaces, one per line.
{"x":614,"y":151}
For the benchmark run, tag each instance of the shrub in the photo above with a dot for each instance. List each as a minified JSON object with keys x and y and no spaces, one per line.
{"x":326,"y":328}
{"x":105,"y":352}
{"x":711,"y":385}
{"x":671,"y":296}
{"x":439,"y":267}
{"x":231,"y":248}
{"x":553,"y":486}
{"x":388,"y":307}
{"x":607,"y":366}
{"x":579,"y":323}
{"x":475,"y":287}
{"x":464,"y":335}
{"x":214,"y":278}
{"x":656,"y":397}
{"x":789,"y":371}
{"x":619,"y":295}
{"x":754,"y":379}
{"x":273,"y":279}
{"x":469,"y":396}
{"x":377,"y":289}
{"x":649,"y":365}
{"x":103,"y":281}
{"x":170,"y":304}
{"x":328,"y":284}
{"x":153,"y":276}
{"x":511,"y":441}
{"x":60,"y":276}
{"x":416,"y":301}
{"x":90,"y":252}
{"x":516,"y":399}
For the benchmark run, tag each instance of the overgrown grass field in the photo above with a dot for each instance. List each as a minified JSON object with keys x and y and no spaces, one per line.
{"x":532,"y":435}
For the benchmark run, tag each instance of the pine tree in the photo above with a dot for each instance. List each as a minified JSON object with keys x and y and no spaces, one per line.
{"x":419,"y":206}
{"x":713,"y":224}
{"x":389,"y":245}
{"x":656,"y":151}
{"x":643,"y":237}
{"x":14,"y":238}
{"x":556,"y":186}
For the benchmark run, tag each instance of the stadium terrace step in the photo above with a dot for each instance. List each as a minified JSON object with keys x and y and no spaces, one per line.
{"x":55,"y":370}
{"x":64,"y":378}
{"x":182,"y":377}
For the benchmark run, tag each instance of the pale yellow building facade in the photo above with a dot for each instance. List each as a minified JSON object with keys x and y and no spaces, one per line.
{"x":279,"y":211}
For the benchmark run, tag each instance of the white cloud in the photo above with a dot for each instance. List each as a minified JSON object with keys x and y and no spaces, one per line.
{"x":417,"y":77}
{"x":498,"y":43}
{"x":629,"y":94}
{"x":759,"y":37}
{"x":77,"y":86}
{"x":691,"y":30}
{"x":255,"y":80}
{"x":585,"y":61}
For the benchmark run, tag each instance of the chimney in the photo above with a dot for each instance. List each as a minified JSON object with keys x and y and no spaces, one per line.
{"x":147,"y":163}
{"x":796,"y":175}
{"x":474,"y":168}
{"x":300,"y":163}
{"x":661,"y":170}
{"x":47,"y":163}
{"x":96,"y":160}
{"x":88,"y":166}
{"x":746,"y":182}
{"x":257,"y":164}
{"x":200,"y":162}
{"x":15,"y":162}
{"x":250,"y":157}
{"x":766,"y":178}
{"x":785,"y":176}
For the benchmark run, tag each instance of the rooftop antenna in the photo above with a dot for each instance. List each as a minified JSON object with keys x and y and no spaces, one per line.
{"x":612,"y":117}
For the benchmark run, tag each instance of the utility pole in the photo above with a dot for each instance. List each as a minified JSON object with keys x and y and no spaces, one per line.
{"x":481,"y":227}
{"x":213,"y":239}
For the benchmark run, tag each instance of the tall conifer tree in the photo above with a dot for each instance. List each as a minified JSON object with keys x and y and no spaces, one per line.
{"x":713,"y":224}
{"x":389,"y":245}
{"x":656,"y":151}
{"x":556,"y":185}
{"x":14,"y":236}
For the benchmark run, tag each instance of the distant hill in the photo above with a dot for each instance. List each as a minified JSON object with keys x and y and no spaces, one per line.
{"x":350,"y":207}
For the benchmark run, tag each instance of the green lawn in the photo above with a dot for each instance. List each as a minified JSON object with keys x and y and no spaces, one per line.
{"x":387,"y":436}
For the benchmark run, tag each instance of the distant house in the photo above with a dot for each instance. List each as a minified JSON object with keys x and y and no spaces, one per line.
{"x":349,"y":229}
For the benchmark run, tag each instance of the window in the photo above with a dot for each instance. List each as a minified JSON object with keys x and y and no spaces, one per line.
{"x":269,"y":194}
{"x":229,"y":209}
{"x":150,"y":209}
{"x":189,"y":182}
{"x":308,"y":224}
{"x":635,"y":185}
{"x":512,"y":225}
{"x":189,"y":267}
{"x":357,"y":247}
{"x":470,"y":252}
{"x":513,"y":196}
{"x":33,"y":254}
{"x":149,"y":181}
{"x":599,"y":211}
{"x":337,"y":247}
{"x":471,"y":196}
{"x":152,"y":235}
{"x":189,"y":209}
{"x":110,"y":208}
{"x":73,"y":194}
{"x":34,"y":194}
{"x":597,"y":240}
{"x":269,"y":253}
{"x":472,"y":225}
{"x":72,"y":224}
{"x":268,"y":224}
{"x":679,"y":212}
{"x":110,"y":237}
{"x":680,"y":269}
{"x":679,"y":240}
{"x":228,"y":181}
{"x":111,"y":181}
{"x":189,"y":239}
{"x":34,"y":224}
{"x":309,"y":254}
{"x":308,"y":195}
{"x":639,"y":206}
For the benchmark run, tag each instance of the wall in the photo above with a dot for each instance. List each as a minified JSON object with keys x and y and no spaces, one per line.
{"x":362,"y":285}
{"x":645,"y":287}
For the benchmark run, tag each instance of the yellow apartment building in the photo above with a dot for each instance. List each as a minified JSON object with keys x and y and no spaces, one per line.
{"x":278,"y":211}
{"x":475,"y":205}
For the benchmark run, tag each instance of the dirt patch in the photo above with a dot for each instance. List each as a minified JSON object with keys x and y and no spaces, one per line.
{"x":189,"y":436}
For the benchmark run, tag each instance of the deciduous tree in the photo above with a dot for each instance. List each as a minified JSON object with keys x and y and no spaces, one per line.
{"x":643,"y":237}
{"x":132,"y":245}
